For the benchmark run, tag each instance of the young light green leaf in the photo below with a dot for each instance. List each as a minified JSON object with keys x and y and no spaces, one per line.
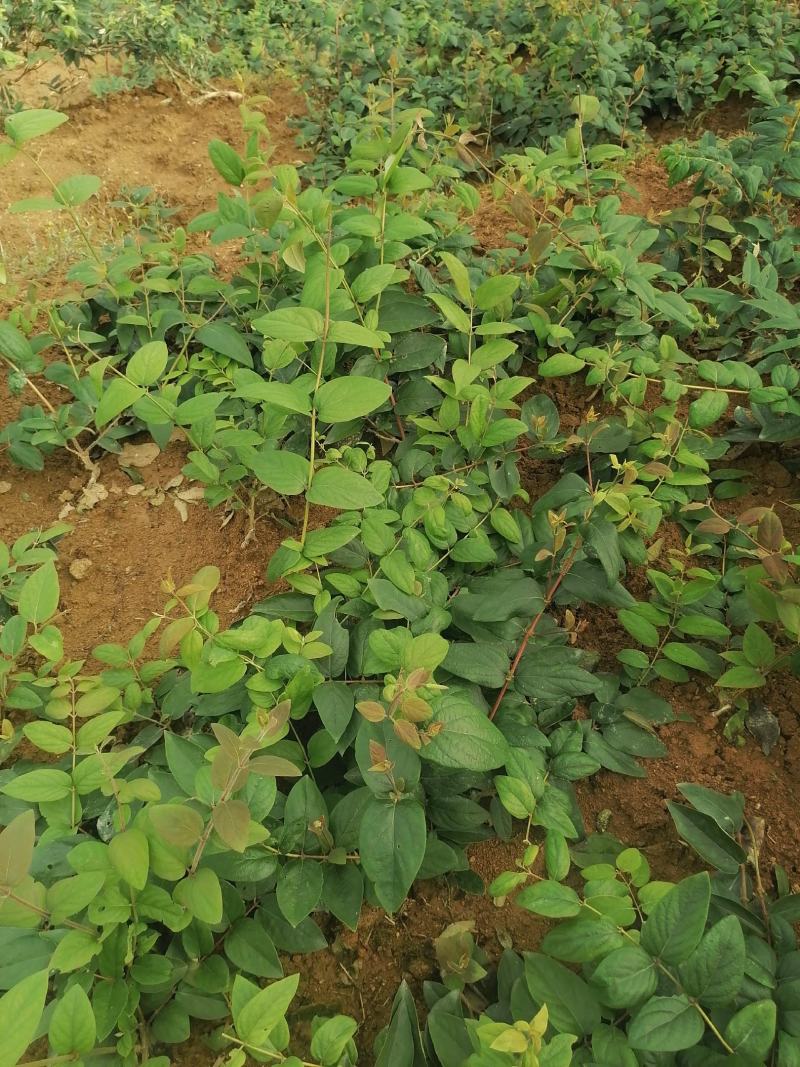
{"x":72,"y":1024}
{"x":20,"y":1012}
{"x":343,"y":399}
{"x":147,"y":364}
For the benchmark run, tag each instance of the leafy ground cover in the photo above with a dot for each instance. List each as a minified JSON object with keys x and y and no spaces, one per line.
{"x":451,"y":558}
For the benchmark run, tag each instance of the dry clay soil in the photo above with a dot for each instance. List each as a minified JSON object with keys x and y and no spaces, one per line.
{"x":124,"y":543}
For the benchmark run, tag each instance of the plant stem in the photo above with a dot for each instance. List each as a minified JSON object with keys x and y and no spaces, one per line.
{"x":564,"y":570}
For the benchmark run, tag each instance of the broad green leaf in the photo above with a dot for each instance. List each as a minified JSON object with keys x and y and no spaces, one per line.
{"x":291,"y":324}
{"x":752,"y":1030}
{"x":674,"y":927}
{"x":20,"y":1012}
{"x":665,"y":1024}
{"x":223,"y":338}
{"x":258,"y":1015}
{"x":551,"y":899}
{"x":709,"y":406}
{"x":495,"y":290}
{"x":758,"y":646}
{"x":25,"y":125}
{"x":299,"y":889}
{"x":352,"y":333}
{"x":741,"y":678}
{"x":227,"y":162}
{"x":372,"y":281}
{"x":337,"y":487}
{"x":147,"y":364}
{"x":331,"y":1039}
{"x":392,"y":846}
{"x":130,"y":855}
{"x":16,"y":848}
{"x":76,"y":189}
{"x":572,"y":1005}
{"x":285,"y":472}
{"x":467,"y":738}
{"x":343,"y":399}
{"x":460,"y":275}
{"x":177,"y":824}
{"x":625,"y":977}
{"x":38,"y":598}
{"x":714,"y":972}
{"x":560,"y":364}
{"x":40,"y":786}
{"x":452,"y":312}
{"x":201,"y":893}
{"x":117,"y":396}
{"x":705,"y":836}
{"x":72,"y":1025}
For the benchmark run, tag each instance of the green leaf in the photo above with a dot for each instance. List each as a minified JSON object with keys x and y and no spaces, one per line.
{"x":119,"y":394}
{"x":551,"y":899}
{"x":68,"y":896}
{"x":39,"y":787}
{"x":38,"y":598}
{"x":752,"y":1030}
{"x":76,"y":189}
{"x":299,"y":889}
{"x":291,"y":324}
{"x":560,"y":364}
{"x":392,"y":846}
{"x":372,"y":281}
{"x":223,"y":338}
{"x":25,"y":125}
{"x":14,"y":344}
{"x":256,"y":1017}
{"x":285,"y":472}
{"x":741,"y":678}
{"x":572,"y":1004}
{"x":757,"y":646}
{"x":227,"y":162}
{"x":331,"y":1039}
{"x":129,"y":852}
{"x":467,"y":740}
{"x":625,"y":977}
{"x":460,"y":275}
{"x":674,"y":927}
{"x":665,"y":1024}
{"x":640,"y":629}
{"x":352,"y":333}
{"x":484,"y":664}
{"x":452,"y":312}
{"x":586,"y":107}
{"x":704,"y":835}
{"x":709,"y":406}
{"x":292,"y":397}
{"x":727,"y":811}
{"x":20,"y":1012}
{"x":201,"y":893}
{"x":714,"y":972}
{"x":72,"y":1026}
{"x":495,"y":290}
{"x":16,"y":848}
{"x":336,"y":487}
{"x":349,"y":398}
{"x":147,"y":364}
{"x":250,"y":948}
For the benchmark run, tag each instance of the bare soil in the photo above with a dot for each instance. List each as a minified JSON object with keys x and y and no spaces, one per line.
{"x":133,"y":539}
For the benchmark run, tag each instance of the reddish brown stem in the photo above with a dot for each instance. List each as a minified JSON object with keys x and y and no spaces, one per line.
{"x":531,"y":630}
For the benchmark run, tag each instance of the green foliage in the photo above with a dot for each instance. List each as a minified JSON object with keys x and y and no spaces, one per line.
{"x":416,"y":682}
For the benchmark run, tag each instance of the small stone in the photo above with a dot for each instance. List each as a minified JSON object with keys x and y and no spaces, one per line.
{"x":763,"y":725}
{"x":79,"y":568}
{"x":5,"y":487}
{"x":138,"y":455}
